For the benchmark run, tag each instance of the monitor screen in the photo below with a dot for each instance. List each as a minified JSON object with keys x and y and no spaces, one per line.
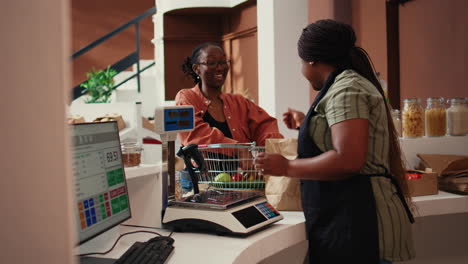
{"x":101,"y":196}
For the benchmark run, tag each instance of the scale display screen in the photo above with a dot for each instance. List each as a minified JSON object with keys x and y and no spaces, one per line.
{"x":254,"y":215}
{"x":176,"y":119}
{"x":249,"y":216}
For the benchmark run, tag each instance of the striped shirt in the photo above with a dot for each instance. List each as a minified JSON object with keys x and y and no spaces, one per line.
{"x":353,"y":96}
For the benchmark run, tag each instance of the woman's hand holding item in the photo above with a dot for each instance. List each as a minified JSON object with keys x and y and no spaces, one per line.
{"x":293,"y":118}
{"x":271,"y":164}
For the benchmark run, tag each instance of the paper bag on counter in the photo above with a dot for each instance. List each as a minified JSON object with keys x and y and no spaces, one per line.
{"x":282,"y":192}
{"x":452,"y":171}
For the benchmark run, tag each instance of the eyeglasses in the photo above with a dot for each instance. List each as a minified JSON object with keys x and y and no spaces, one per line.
{"x":214,"y":64}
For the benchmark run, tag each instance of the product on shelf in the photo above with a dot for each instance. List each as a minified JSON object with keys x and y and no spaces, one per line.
{"x":131,"y":154}
{"x":112,"y":117}
{"x":75,"y":119}
{"x":413,"y":118}
{"x":397,"y":121}
{"x":435,"y":117}
{"x":457,"y":117}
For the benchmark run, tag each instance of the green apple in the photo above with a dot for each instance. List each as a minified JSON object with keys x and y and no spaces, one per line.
{"x":223,"y":177}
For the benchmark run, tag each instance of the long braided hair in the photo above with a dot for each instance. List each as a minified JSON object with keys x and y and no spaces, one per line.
{"x":190,"y":61}
{"x":333,"y":43}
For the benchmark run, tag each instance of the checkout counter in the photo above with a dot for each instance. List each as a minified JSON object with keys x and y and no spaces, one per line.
{"x":440,"y":232}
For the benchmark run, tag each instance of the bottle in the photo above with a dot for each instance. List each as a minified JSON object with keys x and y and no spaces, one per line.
{"x":435,"y":117}
{"x":396,"y":121}
{"x":131,"y":154}
{"x":412,"y":118}
{"x":177,"y":187}
{"x":457,"y":117}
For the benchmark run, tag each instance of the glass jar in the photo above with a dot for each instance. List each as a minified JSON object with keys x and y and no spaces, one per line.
{"x":457,"y":117}
{"x":435,"y":117}
{"x":396,"y":121}
{"x":131,"y":154}
{"x":183,"y":185}
{"x":412,"y":118}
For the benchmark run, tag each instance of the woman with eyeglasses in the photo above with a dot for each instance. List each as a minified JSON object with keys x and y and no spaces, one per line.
{"x":220,"y":117}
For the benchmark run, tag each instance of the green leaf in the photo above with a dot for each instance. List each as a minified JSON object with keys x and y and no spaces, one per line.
{"x":99,"y":85}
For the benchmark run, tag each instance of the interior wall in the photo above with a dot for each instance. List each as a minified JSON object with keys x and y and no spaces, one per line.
{"x":368,"y":19}
{"x":433,"y":56}
{"x":182,"y":33}
{"x":240,"y":40}
{"x":92,"y":19}
{"x":234,"y":29}
{"x":36,"y":197}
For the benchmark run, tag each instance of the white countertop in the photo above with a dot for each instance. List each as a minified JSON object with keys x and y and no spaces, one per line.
{"x":440,"y":204}
{"x":210,"y":248}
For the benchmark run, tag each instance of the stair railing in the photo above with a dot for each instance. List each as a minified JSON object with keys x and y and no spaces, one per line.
{"x":127,"y":61}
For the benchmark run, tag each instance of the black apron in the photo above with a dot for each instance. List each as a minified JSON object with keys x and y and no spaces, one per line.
{"x":341,"y":216}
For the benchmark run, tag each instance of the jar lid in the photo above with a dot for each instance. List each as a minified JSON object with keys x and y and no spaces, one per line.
{"x":412,"y":100}
{"x":131,"y":147}
{"x":431,"y":99}
{"x":457,"y":100}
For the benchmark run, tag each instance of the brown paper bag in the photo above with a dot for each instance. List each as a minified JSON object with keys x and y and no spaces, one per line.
{"x":282,"y":192}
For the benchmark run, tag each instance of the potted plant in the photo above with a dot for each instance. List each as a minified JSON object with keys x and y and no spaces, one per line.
{"x":99,"y":85}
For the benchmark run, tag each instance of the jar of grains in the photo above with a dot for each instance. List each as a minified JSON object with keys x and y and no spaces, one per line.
{"x":396,"y":121}
{"x":131,"y":154}
{"x":435,"y":117}
{"x":412,"y":118}
{"x":457,"y":117}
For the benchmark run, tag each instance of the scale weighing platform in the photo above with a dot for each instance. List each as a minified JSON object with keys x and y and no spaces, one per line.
{"x":213,"y":210}
{"x":222,"y":212}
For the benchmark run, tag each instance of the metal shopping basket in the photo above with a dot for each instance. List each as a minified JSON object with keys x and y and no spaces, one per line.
{"x":231,"y":166}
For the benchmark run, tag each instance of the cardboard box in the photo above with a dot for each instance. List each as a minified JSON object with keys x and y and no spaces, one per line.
{"x":451,"y":170}
{"x":148,"y":124}
{"x":112,"y":117}
{"x":75,"y":119}
{"x":422,"y":182}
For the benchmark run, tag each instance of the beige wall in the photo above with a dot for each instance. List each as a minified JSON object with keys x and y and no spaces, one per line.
{"x":35,"y":200}
{"x":433,"y":48}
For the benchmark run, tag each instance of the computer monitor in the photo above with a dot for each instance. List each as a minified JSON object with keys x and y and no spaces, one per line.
{"x":101,"y":195}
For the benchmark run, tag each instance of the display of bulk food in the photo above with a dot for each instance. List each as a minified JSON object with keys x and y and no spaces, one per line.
{"x":396,"y":121}
{"x":412,"y":118}
{"x":457,"y":117}
{"x":435,"y":117}
{"x":131,"y":154}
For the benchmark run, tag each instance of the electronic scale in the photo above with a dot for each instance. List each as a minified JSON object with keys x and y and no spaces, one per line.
{"x":220,"y":211}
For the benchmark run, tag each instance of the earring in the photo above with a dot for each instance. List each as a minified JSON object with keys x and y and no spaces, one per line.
{"x":198,"y":77}
{"x":311,"y":62}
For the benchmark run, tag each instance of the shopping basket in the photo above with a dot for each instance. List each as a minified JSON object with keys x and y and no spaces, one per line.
{"x":231,"y":166}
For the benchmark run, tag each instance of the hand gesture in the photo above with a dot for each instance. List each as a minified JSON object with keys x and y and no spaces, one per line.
{"x":293,"y":118}
{"x":272,"y":164}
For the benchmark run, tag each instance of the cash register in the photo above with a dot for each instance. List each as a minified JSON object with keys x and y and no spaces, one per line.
{"x":101,"y":195}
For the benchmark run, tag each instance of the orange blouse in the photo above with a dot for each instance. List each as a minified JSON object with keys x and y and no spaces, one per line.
{"x":247,"y":121}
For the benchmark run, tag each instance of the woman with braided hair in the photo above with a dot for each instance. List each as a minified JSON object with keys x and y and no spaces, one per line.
{"x":220,"y":117}
{"x":353,"y":189}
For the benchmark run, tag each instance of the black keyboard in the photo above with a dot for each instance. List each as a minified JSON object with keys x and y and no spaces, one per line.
{"x":153,"y":251}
